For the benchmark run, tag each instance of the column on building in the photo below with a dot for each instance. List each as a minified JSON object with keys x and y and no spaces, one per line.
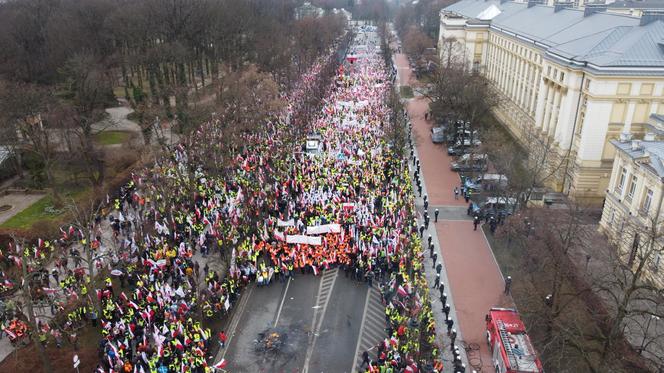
{"x":627,"y":128}
{"x":503,"y":73}
{"x":535,"y":84}
{"x":569,"y":110}
{"x":513,"y":71}
{"x":547,"y":106}
{"x":524,"y":83}
{"x":540,"y":104}
{"x":555,"y":110}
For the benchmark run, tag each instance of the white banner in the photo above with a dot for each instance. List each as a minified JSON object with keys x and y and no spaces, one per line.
{"x":326,"y":228}
{"x":302,"y":239}
{"x":289,"y":223}
{"x":279,"y":235}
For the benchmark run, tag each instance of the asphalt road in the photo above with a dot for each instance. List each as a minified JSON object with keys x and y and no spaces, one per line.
{"x":319,"y":319}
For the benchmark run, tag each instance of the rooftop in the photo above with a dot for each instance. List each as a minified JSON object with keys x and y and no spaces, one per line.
{"x":637,"y":4}
{"x":649,"y":154}
{"x":604,"y":42}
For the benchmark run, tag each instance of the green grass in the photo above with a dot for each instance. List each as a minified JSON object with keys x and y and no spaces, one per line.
{"x":406,"y":91}
{"x":34,"y":213}
{"x":112,"y":137}
{"x":43,"y":210}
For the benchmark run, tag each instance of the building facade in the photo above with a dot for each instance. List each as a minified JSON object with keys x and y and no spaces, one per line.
{"x":577,"y":77}
{"x":634,"y":199}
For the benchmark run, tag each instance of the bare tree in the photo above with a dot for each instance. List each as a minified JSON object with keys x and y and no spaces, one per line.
{"x":416,"y":42}
{"x":25,"y":109}
{"x":566,"y":320}
{"x":633,"y":299}
{"x":32,"y":267}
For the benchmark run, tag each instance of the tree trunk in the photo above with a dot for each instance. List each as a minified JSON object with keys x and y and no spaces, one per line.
{"x":153,"y":84}
{"x":140,"y":76}
{"x":34,"y":333}
{"x":200,"y":67}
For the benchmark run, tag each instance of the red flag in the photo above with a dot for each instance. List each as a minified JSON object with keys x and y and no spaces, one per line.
{"x":221,"y":364}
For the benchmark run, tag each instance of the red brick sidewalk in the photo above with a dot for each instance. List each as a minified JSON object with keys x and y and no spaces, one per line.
{"x":475,"y":280}
{"x":439,"y":179}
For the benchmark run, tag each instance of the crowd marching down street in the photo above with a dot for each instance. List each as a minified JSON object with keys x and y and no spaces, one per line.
{"x":278,"y":210}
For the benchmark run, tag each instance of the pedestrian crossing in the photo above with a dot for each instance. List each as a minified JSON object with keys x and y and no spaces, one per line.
{"x":325,"y":290}
{"x":328,"y":278}
{"x":373,"y":327}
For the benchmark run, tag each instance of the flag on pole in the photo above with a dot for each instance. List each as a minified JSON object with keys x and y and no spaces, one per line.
{"x":221,"y":364}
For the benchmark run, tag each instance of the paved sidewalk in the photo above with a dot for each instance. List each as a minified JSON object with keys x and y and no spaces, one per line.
{"x":403,"y":73}
{"x":473,"y":278}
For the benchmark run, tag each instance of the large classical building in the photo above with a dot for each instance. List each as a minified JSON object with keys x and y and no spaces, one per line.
{"x":579,"y":77}
{"x":634,"y":199}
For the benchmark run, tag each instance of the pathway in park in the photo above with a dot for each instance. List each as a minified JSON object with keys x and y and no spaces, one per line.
{"x":474,"y":278}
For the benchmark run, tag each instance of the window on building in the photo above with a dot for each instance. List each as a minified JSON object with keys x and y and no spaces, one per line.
{"x":612,"y":216}
{"x":562,"y":76}
{"x":621,"y":181}
{"x":624,"y":89}
{"x":632,"y":188}
{"x":587,"y":87}
{"x":548,"y":71}
{"x":646,"y":89}
{"x":647,"y":200}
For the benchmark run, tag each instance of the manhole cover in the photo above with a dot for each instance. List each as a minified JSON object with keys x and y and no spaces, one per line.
{"x":5,"y":208}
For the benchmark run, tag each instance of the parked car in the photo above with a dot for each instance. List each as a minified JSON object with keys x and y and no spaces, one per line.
{"x":493,"y":206}
{"x":486,"y":182}
{"x":462,"y":147}
{"x":438,"y":135}
{"x":499,"y":206}
{"x":458,"y":138}
{"x":470,"y":162}
{"x":468,"y":167}
{"x":473,"y":157}
{"x":458,"y":149}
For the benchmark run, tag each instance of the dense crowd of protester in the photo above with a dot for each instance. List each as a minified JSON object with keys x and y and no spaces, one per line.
{"x":345,"y":201}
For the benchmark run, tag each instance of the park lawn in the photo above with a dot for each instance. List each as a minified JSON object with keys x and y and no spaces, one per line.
{"x":112,"y":137}
{"x":406,"y":91}
{"x":34,"y":213}
{"x":37,"y":213}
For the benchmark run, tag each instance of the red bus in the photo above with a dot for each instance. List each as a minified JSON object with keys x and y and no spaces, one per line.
{"x":509,"y":344}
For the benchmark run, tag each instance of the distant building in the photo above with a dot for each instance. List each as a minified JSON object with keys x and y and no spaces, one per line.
{"x":308,"y":10}
{"x":635,"y":195}
{"x":635,"y":8}
{"x":579,"y":77}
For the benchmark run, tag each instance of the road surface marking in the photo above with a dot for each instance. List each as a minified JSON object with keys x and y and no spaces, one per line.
{"x":359,"y":337}
{"x":372,"y":328}
{"x":235,"y":321}
{"x":323,"y":296}
{"x":281,"y":306}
